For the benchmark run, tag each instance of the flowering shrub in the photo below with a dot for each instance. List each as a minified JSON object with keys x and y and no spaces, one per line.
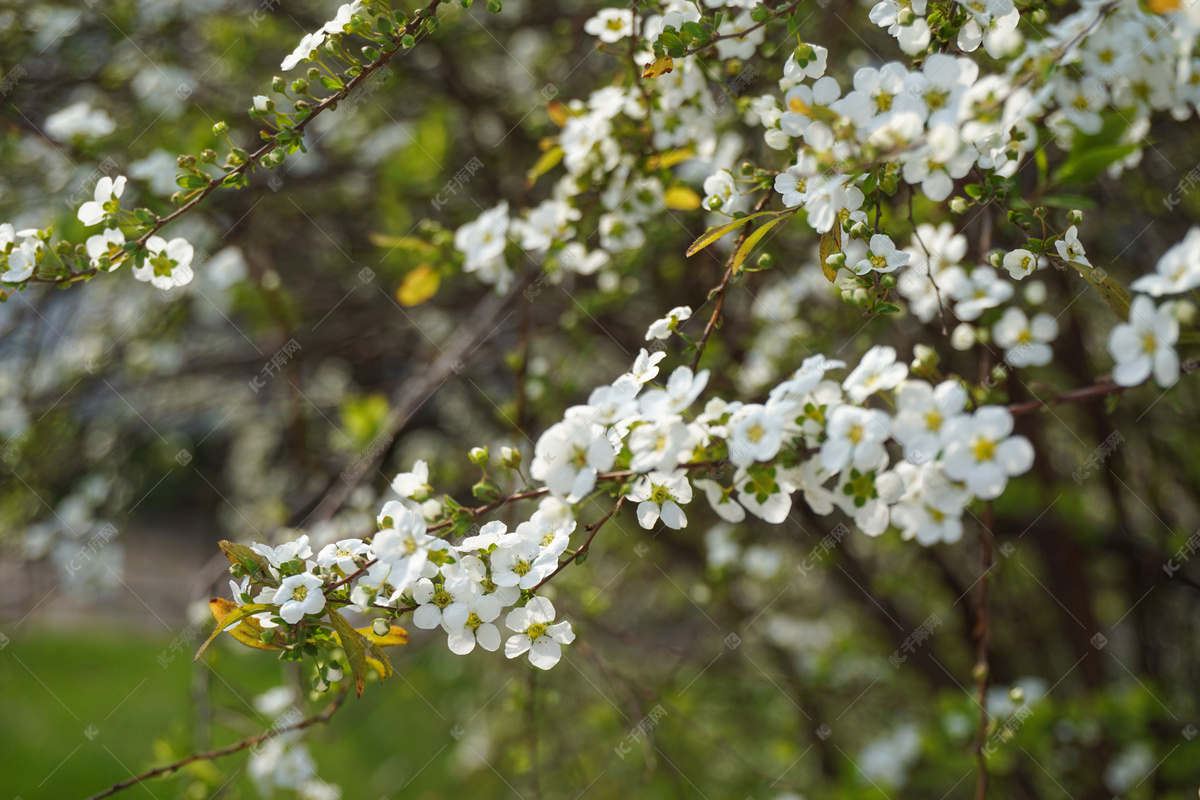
{"x":907,"y":193}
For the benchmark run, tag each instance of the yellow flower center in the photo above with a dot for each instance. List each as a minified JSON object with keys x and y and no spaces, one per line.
{"x":984,"y":450}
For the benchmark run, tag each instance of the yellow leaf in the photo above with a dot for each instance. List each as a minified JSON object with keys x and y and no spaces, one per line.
{"x":249,"y":631}
{"x":228,"y":616}
{"x":660,"y":67}
{"x":682,"y":198}
{"x":351,"y":642}
{"x":712,"y":234}
{"x":1164,"y":6}
{"x":548,"y":161}
{"x":395,"y":636}
{"x":418,"y":286}
{"x":831,"y":242}
{"x":558,"y":113}
{"x":753,"y":239}
{"x":402,"y":242}
{"x":666,"y":161}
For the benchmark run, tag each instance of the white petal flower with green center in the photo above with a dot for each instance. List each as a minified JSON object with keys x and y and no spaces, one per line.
{"x":108,"y":244}
{"x":304,"y":50}
{"x":343,"y":554}
{"x":107,"y":198}
{"x":1144,"y":345}
{"x":855,"y":438}
{"x":756,"y":432}
{"x":878,"y":371}
{"x":413,"y":485}
{"x":659,"y":496}
{"x":299,"y":595}
{"x":882,"y":257}
{"x":434,"y":601}
{"x":537,"y":633}
{"x":471,"y":622}
{"x":661,"y":329}
{"x":981,"y":451}
{"x":922,"y":415}
{"x":610,"y":24}
{"x":1026,"y":341}
{"x":166,"y":264}
{"x":1177,"y":271}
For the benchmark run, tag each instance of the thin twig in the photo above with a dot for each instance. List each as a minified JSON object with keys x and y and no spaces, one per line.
{"x":229,"y":749}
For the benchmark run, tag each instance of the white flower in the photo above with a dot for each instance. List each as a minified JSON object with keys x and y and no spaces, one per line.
{"x":1144,"y":345}
{"x":342,"y":553}
{"x":78,"y":120}
{"x":494,"y":532}
{"x":537,"y":633}
{"x":299,"y":595}
{"x":659,"y":495}
{"x":521,"y":563}
{"x":720,"y":192}
{"x":742,"y":45}
{"x":609,"y":405}
{"x":297,"y":549}
{"x":984,"y":290}
{"x":867,"y":498}
{"x":569,"y":454}
{"x":22,"y":260}
{"x":756,"y":432}
{"x":882,"y":257}
{"x":1070,"y":249}
{"x":659,"y":444}
{"x":645,"y":366}
{"x":855,"y":439}
{"x":344,"y":14}
{"x":435,"y":601}
{"x":980,"y":451}
{"x":944,"y":158}
{"x":931,"y":509}
{"x":105,"y":200}
{"x":766,"y":494}
{"x":1020,"y":263}
{"x":413,"y":485}
{"x":1027,"y":342}
{"x":472,"y":621}
{"x":806,"y":379}
{"x":1177,"y":271}
{"x":721,"y":500}
{"x":308,"y":44}
{"x":877,"y":371}
{"x":166,"y":264}
{"x":108,"y":244}
{"x":922,"y":415}
{"x":661,"y":329}
{"x":610,"y":24}
{"x":682,"y":390}
{"x":402,"y":548}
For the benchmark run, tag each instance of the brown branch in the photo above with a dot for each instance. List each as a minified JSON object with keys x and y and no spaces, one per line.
{"x":229,"y":749}
{"x":583,"y":548}
{"x":1105,"y":387}
{"x":723,"y":286}
{"x":774,"y":16}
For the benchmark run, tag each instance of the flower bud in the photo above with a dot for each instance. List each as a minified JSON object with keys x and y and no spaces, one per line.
{"x":478,"y":456}
{"x":1075,"y":216}
{"x":220,"y":129}
{"x":510,"y":457}
{"x":381,"y":627}
{"x":1016,"y":694}
{"x":958,"y":205}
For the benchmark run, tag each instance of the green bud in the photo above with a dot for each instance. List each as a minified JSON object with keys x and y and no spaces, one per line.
{"x":959,"y":205}
{"x":278,"y":84}
{"x":510,"y":457}
{"x":888,"y":281}
{"x":478,"y":456}
{"x":300,"y":86}
{"x":220,"y":129}
{"x":1075,"y":216}
{"x":380,"y":627}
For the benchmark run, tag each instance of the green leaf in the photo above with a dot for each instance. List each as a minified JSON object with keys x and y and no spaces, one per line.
{"x":1084,"y":166}
{"x":252,"y":562}
{"x":191,"y":181}
{"x":351,"y":641}
{"x":1113,"y":293}
{"x":712,"y":234}
{"x":753,"y":239}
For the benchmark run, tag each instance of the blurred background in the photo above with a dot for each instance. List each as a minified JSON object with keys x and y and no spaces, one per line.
{"x":139,"y":428}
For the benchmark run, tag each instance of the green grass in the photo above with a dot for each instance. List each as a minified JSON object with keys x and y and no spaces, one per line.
{"x":54,"y":687}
